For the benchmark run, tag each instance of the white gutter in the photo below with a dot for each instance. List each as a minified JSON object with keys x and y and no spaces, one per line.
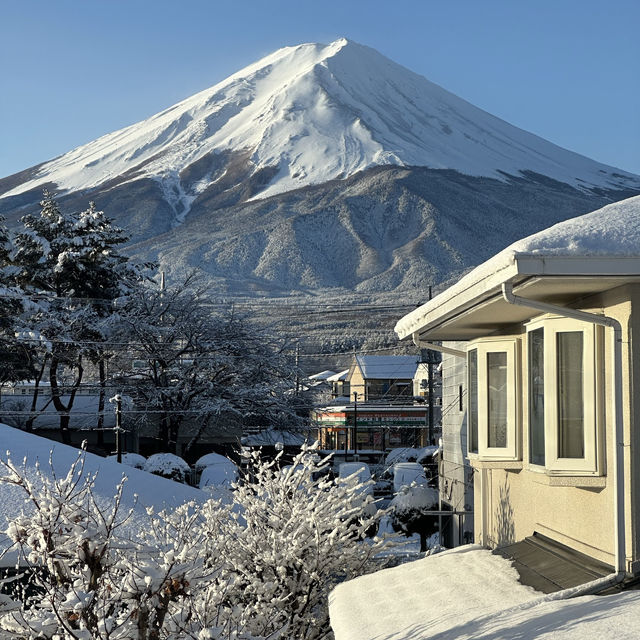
{"x":437,"y":347}
{"x":618,"y":451}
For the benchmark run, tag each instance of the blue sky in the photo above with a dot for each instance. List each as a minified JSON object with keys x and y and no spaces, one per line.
{"x":73,"y":70}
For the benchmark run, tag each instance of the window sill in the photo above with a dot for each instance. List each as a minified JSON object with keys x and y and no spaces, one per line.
{"x":495,"y":464}
{"x":587,"y":482}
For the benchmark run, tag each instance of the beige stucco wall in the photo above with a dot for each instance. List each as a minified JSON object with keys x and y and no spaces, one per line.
{"x":356,"y":382}
{"x":512,"y":503}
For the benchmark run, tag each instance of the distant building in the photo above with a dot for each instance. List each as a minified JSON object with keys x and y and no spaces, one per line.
{"x":377,"y":427}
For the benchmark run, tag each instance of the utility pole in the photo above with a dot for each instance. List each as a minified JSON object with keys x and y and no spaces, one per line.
{"x":118,"y":428}
{"x":430,"y":394}
{"x":355,"y":426}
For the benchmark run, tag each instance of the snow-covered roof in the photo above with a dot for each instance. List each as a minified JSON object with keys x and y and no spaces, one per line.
{"x":152,"y":491}
{"x":338,"y":377}
{"x":270,"y":437}
{"x":469,"y":593}
{"x":388,"y":367}
{"x":603,"y":243}
{"x":323,"y":375}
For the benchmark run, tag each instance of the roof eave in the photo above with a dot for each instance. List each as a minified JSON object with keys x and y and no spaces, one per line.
{"x":469,"y":293}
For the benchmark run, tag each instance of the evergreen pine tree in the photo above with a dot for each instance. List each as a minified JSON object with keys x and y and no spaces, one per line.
{"x":70,"y":267}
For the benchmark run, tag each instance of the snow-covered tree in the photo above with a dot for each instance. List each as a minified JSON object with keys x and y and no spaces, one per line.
{"x":69,"y":265}
{"x":196,"y":366}
{"x":258,"y":567}
{"x":16,"y":358}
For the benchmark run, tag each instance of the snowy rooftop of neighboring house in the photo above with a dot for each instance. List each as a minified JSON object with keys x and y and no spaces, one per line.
{"x":605,"y":242}
{"x":323,"y":375}
{"x":152,"y":491}
{"x":388,"y":367}
{"x":338,"y":377}
{"x":469,"y":593}
{"x":270,"y":437}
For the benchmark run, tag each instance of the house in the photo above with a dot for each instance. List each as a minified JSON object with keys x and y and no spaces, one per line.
{"x":546,"y":329}
{"x":339,"y":385}
{"x":382,"y":378}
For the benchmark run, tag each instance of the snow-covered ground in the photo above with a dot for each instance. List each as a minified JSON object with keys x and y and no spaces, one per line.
{"x":319,"y":112}
{"x":470,"y":594}
{"x":151,"y":491}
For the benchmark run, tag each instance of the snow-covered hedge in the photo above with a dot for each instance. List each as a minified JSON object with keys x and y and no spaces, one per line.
{"x":134,"y":460}
{"x":218,"y":475}
{"x":211,"y":459}
{"x":167,"y":465}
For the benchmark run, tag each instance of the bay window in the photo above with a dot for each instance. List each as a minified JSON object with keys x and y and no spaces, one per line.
{"x":563,"y":396}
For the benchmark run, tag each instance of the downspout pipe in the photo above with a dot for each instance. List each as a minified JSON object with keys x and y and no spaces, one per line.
{"x":618,"y":452}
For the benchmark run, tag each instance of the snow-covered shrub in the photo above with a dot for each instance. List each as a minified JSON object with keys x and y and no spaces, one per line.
{"x":89,"y":582}
{"x":406,"y":474}
{"x":296,"y":534}
{"x":134,"y":460}
{"x":167,"y":465}
{"x":260,"y":567}
{"x":211,"y":459}
{"x":410,"y":511}
{"x":218,"y":475}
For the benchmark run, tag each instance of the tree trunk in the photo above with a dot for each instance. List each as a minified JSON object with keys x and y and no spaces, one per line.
{"x":61,"y":408}
{"x":172,"y":444}
{"x":164,"y":429}
{"x":34,"y":399}
{"x":197,"y":435}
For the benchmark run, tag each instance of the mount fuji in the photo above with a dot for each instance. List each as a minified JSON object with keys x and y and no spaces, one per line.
{"x":322,"y":167}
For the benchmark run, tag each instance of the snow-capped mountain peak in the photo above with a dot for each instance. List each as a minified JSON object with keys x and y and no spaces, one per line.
{"x":311,"y":113}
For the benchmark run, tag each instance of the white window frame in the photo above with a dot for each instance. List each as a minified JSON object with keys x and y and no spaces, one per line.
{"x":511,"y":347}
{"x":591,"y":462}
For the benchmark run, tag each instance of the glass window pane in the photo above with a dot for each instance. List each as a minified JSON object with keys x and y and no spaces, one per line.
{"x":473,"y":401}
{"x":497,"y":381}
{"x":536,"y":396}
{"x":570,"y":395}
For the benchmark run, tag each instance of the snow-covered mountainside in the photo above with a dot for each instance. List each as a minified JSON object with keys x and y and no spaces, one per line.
{"x":312,"y":113}
{"x":320,"y":167}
